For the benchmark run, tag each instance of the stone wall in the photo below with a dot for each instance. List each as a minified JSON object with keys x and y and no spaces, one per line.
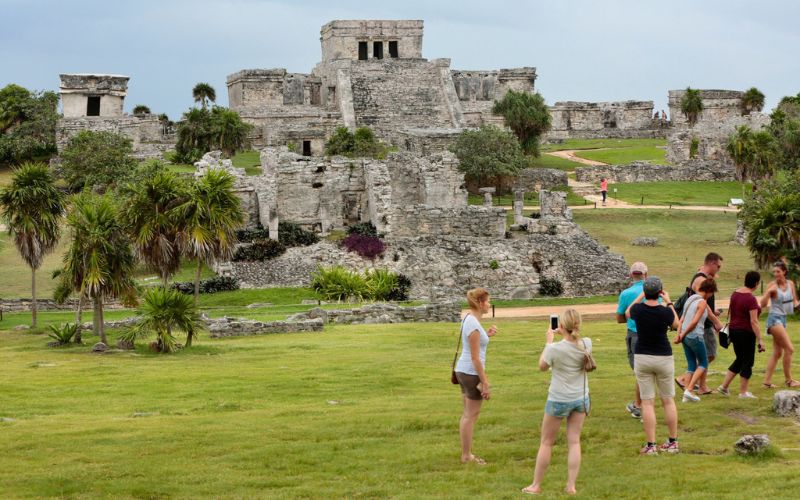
{"x":145,"y":132}
{"x":712,"y":137}
{"x":535,"y":179}
{"x":718,"y":106}
{"x":642,"y":171}
{"x":471,"y":221}
{"x":625,"y":119}
{"x":446,"y":312}
{"x":477,"y":91}
{"x":339,"y":39}
{"x":425,"y":142}
{"x":235,"y":327}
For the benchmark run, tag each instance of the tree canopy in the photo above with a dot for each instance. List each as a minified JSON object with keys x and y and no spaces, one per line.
{"x":488,"y":154}
{"x":27,"y":124}
{"x":202,"y":131}
{"x":691,"y":105}
{"x":752,"y":100}
{"x":361,"y":144}
{"x":527,"y":115}
{"x":204,"y":93}
{"x":97,"y":159}
{"x":141,"y":109}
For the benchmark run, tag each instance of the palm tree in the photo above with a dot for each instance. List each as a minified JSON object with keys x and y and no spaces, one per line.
{"x":752,"y":100}
{"x":229,"y":131}
{"x":211,"y":216}
{"x":62,"y":292}
{"x":527,"y":115}
{"x":755,"y":154}
{"x":33,"y":209}
{"x":165,"y":312}
{"x":203,"y":93}
{"x":152,"y":221}
{"x":691,"y":105}
{"x":99,"y":261}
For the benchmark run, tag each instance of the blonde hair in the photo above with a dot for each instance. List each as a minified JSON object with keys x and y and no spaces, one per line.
{"x":476,"y":296}
{"x":570,"y":322}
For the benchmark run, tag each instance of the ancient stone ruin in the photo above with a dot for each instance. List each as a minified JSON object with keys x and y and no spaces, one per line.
{"x":591,"y":120}
{"x":372,"y":74}
{"x":95,"y":102}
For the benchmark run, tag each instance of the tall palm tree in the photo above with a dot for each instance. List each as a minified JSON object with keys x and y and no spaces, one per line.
{"x":229,"y":131}
{"x":33,"y":210}
{"x":211,"y":216}
{"x":752,"y":100}
{"x":99,"y":262}
{"x":151,"y":217}
{"x":691,"y":105}
{"x":203,"y":93}
{"x":755,"y":154}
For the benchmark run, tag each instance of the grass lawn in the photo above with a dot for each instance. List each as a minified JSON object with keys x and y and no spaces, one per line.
{"x":684,"y":238}
{"x":679,"y":192}
{"x":531,"y":198}
{"x":603,"y":143}
{"x":333,"y":414}
{"x":621,"y":156}
{"x":613,"y":151}
{"x":547,"y":161}
{"x":250,"y":161}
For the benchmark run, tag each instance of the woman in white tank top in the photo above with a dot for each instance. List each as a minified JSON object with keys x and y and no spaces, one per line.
{"x":782,"y":298}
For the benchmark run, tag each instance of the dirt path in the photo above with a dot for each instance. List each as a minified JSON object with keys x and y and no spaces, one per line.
{"x":590,"y":311}
{"x":569,"y":154}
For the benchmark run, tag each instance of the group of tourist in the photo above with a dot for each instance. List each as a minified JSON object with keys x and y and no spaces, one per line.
{"x":649,"y":313}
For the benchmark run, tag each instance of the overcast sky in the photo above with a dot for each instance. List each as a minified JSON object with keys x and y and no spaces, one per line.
{"x":584,"y":50}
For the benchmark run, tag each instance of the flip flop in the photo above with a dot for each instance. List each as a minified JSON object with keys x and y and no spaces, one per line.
{"x":528,"y":491}
{"x":792,"y":383}
{"x":475,"y":460}
{"x":680,"y":385}
{"x":769,"y":386}
{"x":705,"y":393}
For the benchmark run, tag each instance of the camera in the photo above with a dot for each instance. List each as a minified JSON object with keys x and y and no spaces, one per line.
{"x":554,"y":321}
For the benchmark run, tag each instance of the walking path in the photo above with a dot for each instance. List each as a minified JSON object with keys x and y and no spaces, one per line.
{"x":589,"y":311}
{"x":569,"y":154}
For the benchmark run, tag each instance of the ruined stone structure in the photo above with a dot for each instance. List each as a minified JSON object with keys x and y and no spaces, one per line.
{"x":643,"y":171}
{"x":372,"y":74}
{"x":431,"y":235}
{"x":720,"y":116}
{"x":591,"y":120}
{"x":95,"y":102}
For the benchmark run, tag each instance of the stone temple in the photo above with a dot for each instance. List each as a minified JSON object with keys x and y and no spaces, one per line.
{"x":372,"y":74}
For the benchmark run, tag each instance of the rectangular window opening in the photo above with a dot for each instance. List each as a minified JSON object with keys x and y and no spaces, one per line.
{"x":377,"y":50}
{"x":306,"y":148}
{"x":362,"y":51}
{"x":393,"y":49}
{"x":93,"y":105}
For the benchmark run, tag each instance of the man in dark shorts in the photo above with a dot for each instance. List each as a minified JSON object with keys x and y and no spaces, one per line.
{"x":710,"y":269}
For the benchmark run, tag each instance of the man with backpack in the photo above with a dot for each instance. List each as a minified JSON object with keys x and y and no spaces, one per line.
{"x":710,"y":269}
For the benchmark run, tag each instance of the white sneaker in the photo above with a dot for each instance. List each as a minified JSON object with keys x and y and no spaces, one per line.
{"x":747,"y":395}
{"x":688,"y":397}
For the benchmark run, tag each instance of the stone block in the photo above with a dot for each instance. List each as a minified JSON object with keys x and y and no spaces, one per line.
{"x":786,"y":403}
{"x":752,"y":444}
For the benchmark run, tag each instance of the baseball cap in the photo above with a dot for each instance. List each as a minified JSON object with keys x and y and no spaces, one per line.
{"x":638,"y":268}
{"x":652,"y":286}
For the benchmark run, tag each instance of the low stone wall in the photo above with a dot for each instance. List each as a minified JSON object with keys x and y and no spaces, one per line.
{"x":642,"y":171}
{"x":235,"y":327}
{"x":22,"y":305}
{"x":535,"y":179}
{"x":446,"y":312}
{"x":422,"y":220}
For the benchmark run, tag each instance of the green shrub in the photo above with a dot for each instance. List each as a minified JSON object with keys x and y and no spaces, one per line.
{"x":63,"y":334}
{"x":362,"y":144}
{"x":259,"y":251}
{"x":493,"y":265}
{"x":339,"y":283}
{"x":363,"y":228}
{"x":250,"y":235}
{"x":401,"y":289}
{"x":211,"y":285}
{"x":550,"y":287}
{"x":292,"y":235}
{"x":380,"y":283}
{"x":694,"y":147}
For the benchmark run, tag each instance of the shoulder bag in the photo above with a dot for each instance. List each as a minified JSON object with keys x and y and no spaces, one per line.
{"x":453,"y":378}
{"x":725,"y":333}
{"x":589,"y":365}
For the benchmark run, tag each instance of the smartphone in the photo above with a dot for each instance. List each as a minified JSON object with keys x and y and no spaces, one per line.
{"x":554,"y":321}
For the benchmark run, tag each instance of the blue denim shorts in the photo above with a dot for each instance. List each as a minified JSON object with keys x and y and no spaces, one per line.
{"x":775,"y":319}
{"x":561,"y":410}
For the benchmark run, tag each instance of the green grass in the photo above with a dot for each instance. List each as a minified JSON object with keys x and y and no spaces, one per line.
{"x":547,"y":161}
{"x":15,"y":278}
{"x":679,"y":193}
{"x":603,"y":143}
{"x":622,"y":156}
{"x":357,"y":411}
{"x":531,"y":198}
{"x":250,"y":161}
{"x":181,"y":168}
{"x":684,"y":238}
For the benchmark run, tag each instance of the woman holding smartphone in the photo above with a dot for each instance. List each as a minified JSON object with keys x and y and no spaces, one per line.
{"x":471,"y":369}
{"x":568,"y":397}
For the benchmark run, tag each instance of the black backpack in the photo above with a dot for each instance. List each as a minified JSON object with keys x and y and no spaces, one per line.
{"x":681,"y":302}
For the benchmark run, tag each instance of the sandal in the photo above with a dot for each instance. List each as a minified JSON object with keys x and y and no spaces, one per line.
{"x":792,"y":383}
{"x":771,"y":386}
{"x":530,"y":491}
{"x":705,"y":393}
{"x":679,"y":384}
{"x":475,"y":460}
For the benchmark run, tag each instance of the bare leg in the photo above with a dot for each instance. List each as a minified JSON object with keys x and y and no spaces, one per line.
{"x":782,"y":343}
{"x":670,"y":417}
{"x":550,"y":426}
{"x":698,"y":375}
{"x":649,"y":418}
{"x":772,"y":362}
{"x":574,"y":427}
{"x":728,"y":379}
{"x":472,"y":408}
{"x":744,"y":383}
{"x":638,"y":399}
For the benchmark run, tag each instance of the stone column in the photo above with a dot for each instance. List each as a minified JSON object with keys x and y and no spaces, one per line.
{"x":519,"y":203}
{"x":487,"y":195}
{"x":325,"y":222}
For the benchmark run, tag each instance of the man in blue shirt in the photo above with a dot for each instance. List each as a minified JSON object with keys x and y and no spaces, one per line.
{"x":626,"y":298}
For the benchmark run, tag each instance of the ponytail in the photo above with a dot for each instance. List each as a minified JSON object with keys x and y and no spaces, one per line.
{"x":570,"y":322}
{"x":476,"y":296}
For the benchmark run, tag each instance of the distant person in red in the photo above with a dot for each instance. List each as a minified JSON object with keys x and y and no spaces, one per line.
{"x":604,"y":189}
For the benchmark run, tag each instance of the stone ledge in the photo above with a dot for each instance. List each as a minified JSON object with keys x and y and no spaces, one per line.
{"x":384,"y":313}
{"x":236,"y":327}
